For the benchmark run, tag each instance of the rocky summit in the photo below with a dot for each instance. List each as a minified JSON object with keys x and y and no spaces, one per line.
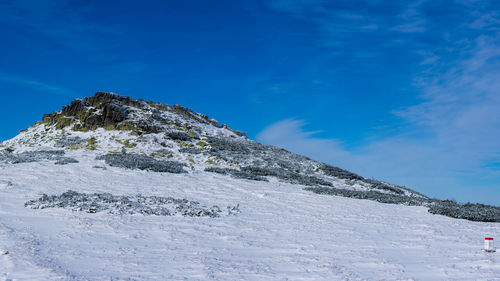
{"x":124,"y":133}
{"x":112,"y":111}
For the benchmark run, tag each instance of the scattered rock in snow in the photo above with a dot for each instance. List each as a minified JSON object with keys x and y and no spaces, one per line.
{"x":65,"y":161}
{"x":339,"y":173}
{"x":35,"y":156}
{"x":99,"y":167}
{"x":473,"y":212}
{"x":142,"y":162}
{"x":235,"y":173}
{"x":370,"y":195}
{"x":259,"y":174}
{"x":178,"y":135}
{"x":468,"y":211}
{"x":138,"y":204}
{"x":190,"y":150}
{"x":70,"y":141}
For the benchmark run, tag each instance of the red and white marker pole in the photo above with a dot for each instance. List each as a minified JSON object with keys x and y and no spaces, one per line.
{"x":488,"y":244}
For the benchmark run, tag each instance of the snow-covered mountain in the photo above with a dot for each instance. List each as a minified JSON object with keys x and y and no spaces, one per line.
{"x":112,"y":188}
{"x":121,"y":130}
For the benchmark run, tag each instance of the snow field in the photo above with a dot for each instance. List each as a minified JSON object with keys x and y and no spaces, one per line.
{"x":282,"y":232}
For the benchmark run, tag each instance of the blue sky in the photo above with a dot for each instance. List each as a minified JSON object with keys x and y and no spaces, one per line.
{"x":403,"y":91}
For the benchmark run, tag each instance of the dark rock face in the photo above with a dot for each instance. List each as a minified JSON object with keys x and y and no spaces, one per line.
{"x":112,"y":114}
{"x":102,"y":98}
{"x":111,"y":106}
{"x":102,"y":110}
{"x":49,"y":118}
{"x":111,"y":111}
{"x":73,"y":109}
{"x":177,"y":135}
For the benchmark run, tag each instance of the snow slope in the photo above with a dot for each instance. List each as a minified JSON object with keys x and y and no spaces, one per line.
{"x":282,"y":232}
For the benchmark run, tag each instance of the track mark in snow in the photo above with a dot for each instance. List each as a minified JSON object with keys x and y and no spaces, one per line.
{"x":15,"y":264}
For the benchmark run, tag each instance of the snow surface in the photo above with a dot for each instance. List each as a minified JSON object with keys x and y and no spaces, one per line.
{"x":282,"y":232}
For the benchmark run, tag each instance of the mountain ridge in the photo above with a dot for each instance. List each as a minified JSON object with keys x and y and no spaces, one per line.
{"x":135,"y":134}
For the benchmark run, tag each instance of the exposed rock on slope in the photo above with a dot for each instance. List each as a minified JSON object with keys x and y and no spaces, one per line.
{"x":36,"y":156}
{"x":150,"y":205}
{"x":142,"y":162}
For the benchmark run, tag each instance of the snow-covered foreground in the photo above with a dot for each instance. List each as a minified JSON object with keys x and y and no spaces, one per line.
{"x":282,"y":232}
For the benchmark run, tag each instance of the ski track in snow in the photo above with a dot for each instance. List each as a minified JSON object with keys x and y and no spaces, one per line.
{"x":282,"y":232}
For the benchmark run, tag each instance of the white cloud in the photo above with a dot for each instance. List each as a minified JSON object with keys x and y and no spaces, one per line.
{"x":448,"y":146}
{"x":460,"y":107}
{"x":289,"y":134}
{"x":422,"y":164}
{"x":448,"y":140}
{"x":389,"y":158}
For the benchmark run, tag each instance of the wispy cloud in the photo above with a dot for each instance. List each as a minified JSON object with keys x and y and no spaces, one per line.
{"x":448,"y":140}
{"x":290,"y":133}
{"x":36,"y":85}
{"x":460,"y":104}
{"x":421,"y":163}
{"x":300,"y":8}
{"x":341,"y":18}
{"x":411,"y":18}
